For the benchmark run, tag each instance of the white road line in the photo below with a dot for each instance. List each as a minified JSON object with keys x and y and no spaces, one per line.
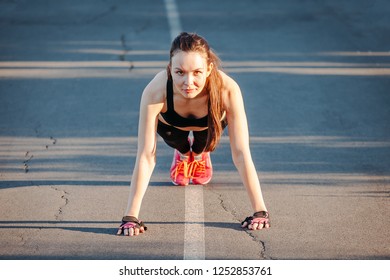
{"x":194,"y":242}
{"x":173,"y":18}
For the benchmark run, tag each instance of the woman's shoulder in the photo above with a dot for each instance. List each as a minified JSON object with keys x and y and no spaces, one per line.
{"x":156,"y":89}
{"x":159,"y":82}
{"x":229,"y":85}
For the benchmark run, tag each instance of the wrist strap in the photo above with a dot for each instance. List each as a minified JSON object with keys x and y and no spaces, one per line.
{"x":132,"y":219}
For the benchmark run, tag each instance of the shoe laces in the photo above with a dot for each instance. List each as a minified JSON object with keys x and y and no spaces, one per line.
{"x":197,"y":168}
{"x":182,"y":167}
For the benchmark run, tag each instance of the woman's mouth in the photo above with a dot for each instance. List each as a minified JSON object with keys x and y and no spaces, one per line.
{"x":189,"y":90}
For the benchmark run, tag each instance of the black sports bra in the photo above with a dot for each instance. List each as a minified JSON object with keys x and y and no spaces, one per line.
{"x":173,"y":118}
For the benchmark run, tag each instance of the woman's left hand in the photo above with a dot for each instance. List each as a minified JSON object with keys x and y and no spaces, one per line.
{"x":258,"y":221}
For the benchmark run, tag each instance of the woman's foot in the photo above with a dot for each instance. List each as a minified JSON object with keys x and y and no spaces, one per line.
{"x":201,"y":169}
{"x":179,"y":169}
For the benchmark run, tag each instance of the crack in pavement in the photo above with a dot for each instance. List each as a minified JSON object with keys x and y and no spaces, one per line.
{"x":126,"y":49}
{"x":27,"y":161}
{"x":29,"y":155}
{"x":54,"y":140}
{"x":112,"y":9}
{"x":64,"y":196}
{"x":64,"y":20}
{"x":262,"y":253}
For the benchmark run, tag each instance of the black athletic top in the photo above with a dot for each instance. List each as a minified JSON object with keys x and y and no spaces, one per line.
{"x":173,"y":118}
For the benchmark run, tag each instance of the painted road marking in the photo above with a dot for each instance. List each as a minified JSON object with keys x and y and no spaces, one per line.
{"x":173,"y":18}
{"x":194,"y":241}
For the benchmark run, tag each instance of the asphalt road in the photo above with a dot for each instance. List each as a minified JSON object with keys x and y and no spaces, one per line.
{"x":315,"y":76}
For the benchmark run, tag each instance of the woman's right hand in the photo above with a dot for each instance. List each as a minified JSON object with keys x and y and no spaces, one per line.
{"x":131,"y":226}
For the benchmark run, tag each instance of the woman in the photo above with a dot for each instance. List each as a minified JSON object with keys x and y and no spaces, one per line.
{"x":192,"y":95}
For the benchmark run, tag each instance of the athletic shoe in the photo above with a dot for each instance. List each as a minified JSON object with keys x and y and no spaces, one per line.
{"x":179,"y":169}
{"x":201,"y":169}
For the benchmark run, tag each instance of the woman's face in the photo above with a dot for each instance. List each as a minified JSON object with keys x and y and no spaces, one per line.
{"x":189,"y":72}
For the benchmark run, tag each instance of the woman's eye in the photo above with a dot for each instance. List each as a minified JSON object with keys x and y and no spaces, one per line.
{"x":179,"y":72}
{"x":198,"y":72}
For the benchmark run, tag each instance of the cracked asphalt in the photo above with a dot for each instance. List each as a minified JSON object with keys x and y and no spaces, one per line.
{"x":315,"y":81}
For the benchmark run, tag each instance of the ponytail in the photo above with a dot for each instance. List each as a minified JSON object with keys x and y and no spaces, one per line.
{"x":215,"y":106}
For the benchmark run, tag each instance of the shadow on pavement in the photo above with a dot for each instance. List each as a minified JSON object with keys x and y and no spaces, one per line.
{"x":42,"y":225}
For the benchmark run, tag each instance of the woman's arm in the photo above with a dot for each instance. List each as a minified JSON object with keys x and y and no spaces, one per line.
{"x":152,"y":102}
{"x":239,"y":143}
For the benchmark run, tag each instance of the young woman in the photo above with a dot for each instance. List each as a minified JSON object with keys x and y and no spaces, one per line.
{"x":192,"y":95}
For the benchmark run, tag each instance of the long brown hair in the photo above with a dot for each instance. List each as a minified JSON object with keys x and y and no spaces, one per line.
{"x":191,"y":42}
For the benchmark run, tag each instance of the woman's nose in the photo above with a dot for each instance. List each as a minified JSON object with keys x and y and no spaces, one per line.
{"x":188,"y":79}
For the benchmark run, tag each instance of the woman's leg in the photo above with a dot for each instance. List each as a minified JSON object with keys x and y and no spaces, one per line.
{"x":199,"y":143}
{"x":202,"y":169}
{"x":200,"y":139}
{"x":175,"y":138}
